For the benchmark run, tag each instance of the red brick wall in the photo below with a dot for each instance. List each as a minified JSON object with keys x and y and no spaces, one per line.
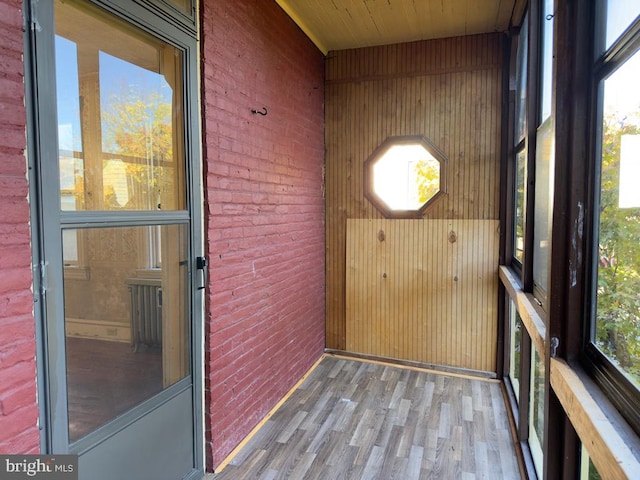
{"x":265,"y":211}
{"x":18,"y":408}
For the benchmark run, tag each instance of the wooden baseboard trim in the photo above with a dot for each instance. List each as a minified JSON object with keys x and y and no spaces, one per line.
{"x":266,"y":418}
{"x":98,"y":330}
{"x":511,"y":406}
{"x":422,"y":367}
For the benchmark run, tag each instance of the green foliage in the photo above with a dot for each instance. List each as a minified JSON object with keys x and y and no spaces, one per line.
{"x":593,"y":473}
{"x":428,"y":179}
{"x":618,"y":304}
{"x":137,"y":126}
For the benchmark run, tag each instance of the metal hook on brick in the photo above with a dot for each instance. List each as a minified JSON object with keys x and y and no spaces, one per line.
{"x":259,"y":112}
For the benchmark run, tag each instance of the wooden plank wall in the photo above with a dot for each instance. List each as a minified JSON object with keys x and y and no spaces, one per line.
{"x":423,"y":290}
{"x":448,"y":90}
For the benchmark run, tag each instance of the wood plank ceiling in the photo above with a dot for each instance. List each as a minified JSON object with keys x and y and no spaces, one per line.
{"x":345,"y":24}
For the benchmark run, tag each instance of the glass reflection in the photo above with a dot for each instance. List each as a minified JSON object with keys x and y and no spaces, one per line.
{"x":536,"y":411}
{"x":119,"y":115}
{"x":521,"y":82}
{"x":515,"y":330}
{"x":183,"y":5}
{"x":620,"y":15}
{"x":543,"y":202}
{"x":546,"y":66}
{"x":520,"y":198}
{"x":406,"y":177}
{"x":126,"y":322}
{"x":617,"y":332}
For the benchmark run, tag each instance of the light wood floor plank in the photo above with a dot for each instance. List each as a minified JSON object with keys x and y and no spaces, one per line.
{"x":414,"y":466}
{"x":356,"y":420}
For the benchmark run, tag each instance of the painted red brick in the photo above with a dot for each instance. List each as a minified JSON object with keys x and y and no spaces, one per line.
{"x":265,"y":213}
{"x":18,"y":408}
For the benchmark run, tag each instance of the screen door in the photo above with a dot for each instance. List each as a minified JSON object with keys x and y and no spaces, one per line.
{"x":118,"y":242}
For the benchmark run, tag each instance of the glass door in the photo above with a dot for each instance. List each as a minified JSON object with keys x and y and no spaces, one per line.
{"x":118,"y":242}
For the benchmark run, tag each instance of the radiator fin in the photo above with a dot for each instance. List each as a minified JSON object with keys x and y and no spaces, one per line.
{"x":146,"y":315}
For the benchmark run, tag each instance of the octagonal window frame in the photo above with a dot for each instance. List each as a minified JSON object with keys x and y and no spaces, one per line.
{"x":381,"y":151}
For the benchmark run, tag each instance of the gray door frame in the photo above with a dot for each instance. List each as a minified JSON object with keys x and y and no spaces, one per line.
{"x":179,"y":30}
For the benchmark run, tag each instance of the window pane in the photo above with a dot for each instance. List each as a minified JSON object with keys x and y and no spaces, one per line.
{"x":406,"y":177}
{"x":618,"y":282}
{"x":587,"y":468}
{"x":536,"y":412}
{"x":70,"y":237}
{"x":620,"y":15}
{"x":543,"y":204}
{"x":184,"y":5}
{"x":119,"y":114}
{"x":515,"y":330}
{"x":521,"y":83}
{"x":70,"y":245}
{"x":519,"y":210}
{"x":547,"y":60}
{"x":69,"y":129}
{"x":127,"y":335}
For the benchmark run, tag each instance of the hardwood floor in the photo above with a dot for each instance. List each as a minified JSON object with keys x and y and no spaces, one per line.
{"x":106,"y":379}
{"x":353,"y":419}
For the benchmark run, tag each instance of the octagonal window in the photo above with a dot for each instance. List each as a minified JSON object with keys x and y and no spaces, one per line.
{"x":405,"y":176}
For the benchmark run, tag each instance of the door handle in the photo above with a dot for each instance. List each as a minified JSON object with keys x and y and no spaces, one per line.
{"x":201,"y":264}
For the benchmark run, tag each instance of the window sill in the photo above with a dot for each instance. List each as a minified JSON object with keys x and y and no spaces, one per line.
{"x":613,"y":447}
{"x":77,"y":273}
{"x":528,"y":308}
{"x":150,"y":273}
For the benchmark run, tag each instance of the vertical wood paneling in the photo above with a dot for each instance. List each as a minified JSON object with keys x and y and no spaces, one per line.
{"x":426,"y":292}
{"x":447,"y":90}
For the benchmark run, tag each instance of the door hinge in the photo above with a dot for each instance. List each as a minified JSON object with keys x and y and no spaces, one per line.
{"x":33,"y":23}
{"x":40,"y":277}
